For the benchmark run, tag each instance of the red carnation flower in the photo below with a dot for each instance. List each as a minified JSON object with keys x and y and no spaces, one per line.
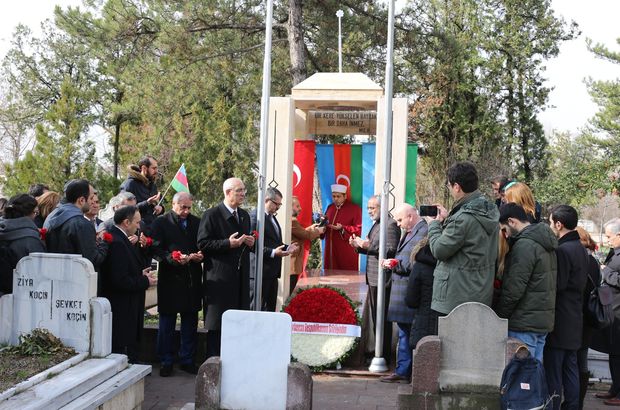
{"x":107,"y":236}
{"x":149,"y":241}
{"x":177,"y":256}
{"x":497,"y":284}
{"x":392,"y":263}
{"x":321,"y":305}
{"x":255,"y":234}
{"x":42,"y":233}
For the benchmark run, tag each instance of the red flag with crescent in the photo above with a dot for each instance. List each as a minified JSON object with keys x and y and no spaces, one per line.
{"x":303,"y":183}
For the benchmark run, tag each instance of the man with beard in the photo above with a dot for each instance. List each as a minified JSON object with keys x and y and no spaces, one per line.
{"x":67,"y":229}
{"x":527,"y":299}
{"x":370,"y":247}
{"x":345,"y":220}
{"x":141,"y":183}
{"x":225,"y":240}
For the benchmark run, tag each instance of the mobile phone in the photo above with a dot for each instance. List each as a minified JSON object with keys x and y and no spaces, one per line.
{"x":428,"y":210}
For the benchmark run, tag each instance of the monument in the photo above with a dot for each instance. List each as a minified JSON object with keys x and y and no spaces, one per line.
{"x":57,"y":292}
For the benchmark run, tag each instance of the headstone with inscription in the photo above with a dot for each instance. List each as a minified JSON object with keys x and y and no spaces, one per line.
{"x":58,"y":292}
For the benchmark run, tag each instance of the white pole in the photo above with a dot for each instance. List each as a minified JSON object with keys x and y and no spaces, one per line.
{"x":264,"y":122}
{"x":339,"y":14}
{"x":378,"y":363}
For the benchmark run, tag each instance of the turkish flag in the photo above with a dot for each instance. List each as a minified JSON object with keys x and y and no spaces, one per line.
{"x":303,"y":183}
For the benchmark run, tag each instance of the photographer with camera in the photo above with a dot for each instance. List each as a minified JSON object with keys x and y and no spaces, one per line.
{"x":345,"y":220}
{"x":301,"y":235}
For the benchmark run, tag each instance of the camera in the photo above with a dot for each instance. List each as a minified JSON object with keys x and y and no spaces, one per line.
{"x":319,"y":219}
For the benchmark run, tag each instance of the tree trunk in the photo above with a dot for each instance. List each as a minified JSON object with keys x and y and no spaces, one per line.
{"x":296,"y":42}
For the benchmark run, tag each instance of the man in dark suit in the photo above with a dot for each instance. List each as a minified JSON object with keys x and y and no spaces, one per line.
{"x":225,"y":239}
{"x":123,"y":283}
{"x":179,"y":289}
{"x":414,"y":229}
{"x":273,"y":251}
{"x":370,"y":247}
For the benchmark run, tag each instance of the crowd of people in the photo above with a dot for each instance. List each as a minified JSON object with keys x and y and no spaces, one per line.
{"x":536,"y":273}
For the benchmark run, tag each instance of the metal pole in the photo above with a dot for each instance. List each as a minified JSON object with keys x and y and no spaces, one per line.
{"x":339,"y":14}
{"x":264,"y":123}
{"x":378,"y":363}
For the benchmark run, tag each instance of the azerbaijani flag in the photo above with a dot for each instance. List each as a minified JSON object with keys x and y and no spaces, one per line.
{"x":179,"y":182}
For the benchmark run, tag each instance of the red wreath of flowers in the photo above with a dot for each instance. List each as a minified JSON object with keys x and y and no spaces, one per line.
{"x":177,"y":256}
{"x":42,"y":233}
{"x":321,"y":305}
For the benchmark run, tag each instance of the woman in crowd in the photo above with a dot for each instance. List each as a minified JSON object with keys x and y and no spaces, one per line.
{"x":47,"y":203}
{"x":19,"y":233}
{"x":521,"y":194}
{"x":594,"y":277}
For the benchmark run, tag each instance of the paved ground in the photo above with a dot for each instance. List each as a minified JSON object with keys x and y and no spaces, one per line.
{"x":329,"y":393}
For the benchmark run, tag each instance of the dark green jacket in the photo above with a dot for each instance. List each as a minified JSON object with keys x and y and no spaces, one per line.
{"x":527,"y":299}
{"x":465,"y":247}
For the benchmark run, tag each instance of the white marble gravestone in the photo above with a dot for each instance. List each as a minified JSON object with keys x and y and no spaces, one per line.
{"x":255,"y":354}
{"x":473,"y":347}
{"x":54,"y":292}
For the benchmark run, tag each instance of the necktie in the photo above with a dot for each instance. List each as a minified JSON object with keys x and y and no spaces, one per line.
{"x":184,"y":223}
{"x":234,"y":214}
{"x":274,"y":223}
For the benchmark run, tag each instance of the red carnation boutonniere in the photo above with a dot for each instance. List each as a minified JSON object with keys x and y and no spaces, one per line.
{"x":42,"y":233}
{"x":107,"y":236}
{"x":497,"y":284}
{"x":177,"y":256}
{"x":149,"y":241}
{"x":255,"y":234}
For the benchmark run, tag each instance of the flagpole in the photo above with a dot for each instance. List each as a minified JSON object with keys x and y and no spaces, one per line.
{"x":378,"y":363}
{"x":169,"y":185}
{"x":264,"y":123}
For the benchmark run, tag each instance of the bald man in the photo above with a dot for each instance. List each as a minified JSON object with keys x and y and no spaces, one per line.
{"x":225,"y":239}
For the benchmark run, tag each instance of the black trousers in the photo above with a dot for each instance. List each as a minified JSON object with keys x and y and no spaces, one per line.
{"x":214,"y":339}
{"x":562,"y":377}
{"x":270,"y":294}
{"x":387,"y":326}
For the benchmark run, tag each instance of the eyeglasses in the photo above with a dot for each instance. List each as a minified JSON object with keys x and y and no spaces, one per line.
{"x":240,"y":190}
{"x":278,"y":204}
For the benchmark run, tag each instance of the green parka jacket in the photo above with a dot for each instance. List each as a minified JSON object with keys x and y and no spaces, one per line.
{"x":527,"y":299}
{"x":465,"y":247}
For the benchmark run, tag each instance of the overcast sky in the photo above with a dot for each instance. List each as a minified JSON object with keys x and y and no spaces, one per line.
{"x":571,"y":104}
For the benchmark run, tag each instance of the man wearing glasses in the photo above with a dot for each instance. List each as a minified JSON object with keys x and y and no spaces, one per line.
{"x":225,"y":239}
{"x":179,"y":290}
{"x":273,"y":251}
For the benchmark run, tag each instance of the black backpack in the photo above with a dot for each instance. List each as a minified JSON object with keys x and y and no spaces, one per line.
{"x":523,"y":385}
{"x":8,"y":261}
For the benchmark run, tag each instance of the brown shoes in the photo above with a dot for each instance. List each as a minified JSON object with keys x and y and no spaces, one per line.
{"x":606,"y":395}
{"x":394,"y":378}
{"x":612,"y":402}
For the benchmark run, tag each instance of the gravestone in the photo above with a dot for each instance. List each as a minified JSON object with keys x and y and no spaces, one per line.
{"x":57,"y":292}
{"x":473,"y":349}
{"x":256,"y":352}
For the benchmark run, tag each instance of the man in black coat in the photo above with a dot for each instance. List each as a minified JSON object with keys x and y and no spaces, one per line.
{"x":67,"y":229}
{"x":273,"y":250}
{"x":560,"y":353}
{"x":179,"y":287}
{"x":123,"y":283}
{"x":225,"y":239}
{"x":141,"y":183}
